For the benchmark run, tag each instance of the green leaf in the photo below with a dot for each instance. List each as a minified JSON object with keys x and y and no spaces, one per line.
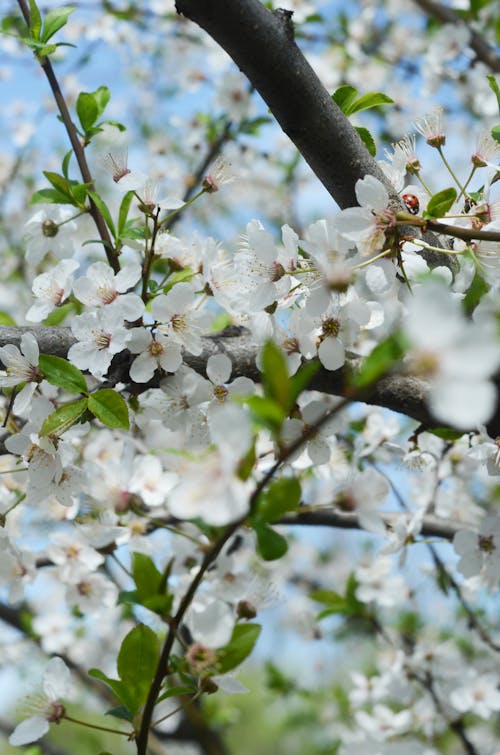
{"x":270,"y":544}
{"x":59,"y":314}
{"x":344,"y":96}
{"x":116,"y":124}
{"x":239,"y":647}
{"x":367,"y":140}
{"x":275,"y":378}
{"x":116,"y":685}
{"x":495,"y":89}
{"x":475,"y":293}
{"x":121,"y":712}
{"x":440,"y":203}
{"x":102,"y":96}
{"x":59,"y":183}
{"x":444,"y":432}
{"x":382,"y":359}
{"x":60,"y":372}
{"x":65,"y":163}
{"x":50,"y":196}
{"x":35,"y":24}
{"x":266,"y":413}
{"x":6,"y":319}
{"x":109,"y":407}
{"x":148,"y":580}
{"x":55,"y":20}
{"x":177,"y":691}
{"x":137,"y":662}
{"x":79,"y":192}
{"x":63,"y":418}
{"x":87,"y":110}
{"x":369,"y":100}
{"x":495,"y":132}
{"x":42,"y":52}
{"x":281,"y":497}
{"x":103,"y":209}
{"x":124,"y":210}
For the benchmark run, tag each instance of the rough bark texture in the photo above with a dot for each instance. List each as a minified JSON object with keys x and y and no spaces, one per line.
{"x":401,"y":393}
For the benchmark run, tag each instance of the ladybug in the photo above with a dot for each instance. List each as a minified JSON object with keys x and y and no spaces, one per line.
{"x":412,"y":203}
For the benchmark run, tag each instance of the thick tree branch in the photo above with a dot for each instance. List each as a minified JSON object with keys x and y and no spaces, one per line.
{"x":432,"y":526}
{"x":401,"y":393}
{"x":261,"y":44}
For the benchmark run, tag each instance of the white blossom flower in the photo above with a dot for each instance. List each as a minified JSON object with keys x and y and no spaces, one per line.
{"x":366,"y":225}
{"x":50,"y":230}
{"x":155,"y":351}
{"x":260,"y":273}
{"x":457,"y":357}
{"x":51,"y":289}
{"x":102,"y":287}
{"x":150,"y":481}
{"x":17,"y":568}
{"x":92,"y":593}
{"x":480,"y":551}
{"x":21,"y":366}
{"x":46,"y":706}
{"x":479,"y":694}
{"x":101,"y":334}
{"x":178,"y":318}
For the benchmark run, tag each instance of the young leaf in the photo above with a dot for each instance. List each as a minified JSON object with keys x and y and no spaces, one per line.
{"x":59,"y":182}
{"x":50,"y":196}
{"x":103,"y":209}
{"x":55,"y":20}
{"x":63,"y":418}
{"x":275,"y":376}
{"x":239,"y":647}
{"x":137,"y":662}
{"x":495,"y":132}
{"x":147,"y":578}
{"x":116,"y":685}
{"x":35,"y":21}
{"x":270,"y":544}
{"x":382,"y":359}
{"x":280,"y":497}
{"x":495,"y":89}
{"x":124,"y":210}
{"x":65,"y":164}
{"x":440,"y":203}
{"x":369,"y":100}
{"x":109,"y":407}
{"x":60,"y":372}
{"x":367,"y":140}
{"x":344,"y":96}
{"x":87,"y":110}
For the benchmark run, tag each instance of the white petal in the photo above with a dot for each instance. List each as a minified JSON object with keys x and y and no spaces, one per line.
{"x":56,"y":679}
{"x":463,"y":404}
{"x":371,"y":193}
{"x":29,"y":347}
{"x":29,"y":731}
{"x":331,"y":354}
{"x":219,"y":368}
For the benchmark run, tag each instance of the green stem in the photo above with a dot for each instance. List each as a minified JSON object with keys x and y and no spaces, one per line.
{"x":127,"y":734}
{"x":469,"y":179}
{"x":449,"y":168}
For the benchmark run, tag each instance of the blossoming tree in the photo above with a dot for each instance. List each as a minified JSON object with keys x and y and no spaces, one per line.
{"x":174,"y":404}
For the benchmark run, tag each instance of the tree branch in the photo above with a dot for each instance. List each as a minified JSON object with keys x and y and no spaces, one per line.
{"x":261,"y":44}
{"x":398,"y":392}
